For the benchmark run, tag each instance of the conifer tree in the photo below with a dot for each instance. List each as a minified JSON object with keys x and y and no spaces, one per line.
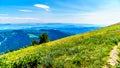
{"x":43,"y":38}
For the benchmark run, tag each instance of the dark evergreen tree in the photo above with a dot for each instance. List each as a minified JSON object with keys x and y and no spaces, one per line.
{"x":43,"y":38}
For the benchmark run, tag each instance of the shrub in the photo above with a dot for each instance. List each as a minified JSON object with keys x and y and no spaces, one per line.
{"x":34,"y":42}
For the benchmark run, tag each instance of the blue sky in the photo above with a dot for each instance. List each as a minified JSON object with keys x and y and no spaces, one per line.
{"x":60,"y":11}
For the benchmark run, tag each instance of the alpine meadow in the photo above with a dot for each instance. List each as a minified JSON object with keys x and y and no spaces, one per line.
{"x":87,"y":50}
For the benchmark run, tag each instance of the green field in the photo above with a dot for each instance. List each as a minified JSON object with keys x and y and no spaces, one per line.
{"x":88,"y":50}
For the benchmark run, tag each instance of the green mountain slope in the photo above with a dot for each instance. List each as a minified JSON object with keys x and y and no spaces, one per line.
{"x":88,"y":50}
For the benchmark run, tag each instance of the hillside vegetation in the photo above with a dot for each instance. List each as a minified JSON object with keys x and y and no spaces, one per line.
{"x":88,"y":50}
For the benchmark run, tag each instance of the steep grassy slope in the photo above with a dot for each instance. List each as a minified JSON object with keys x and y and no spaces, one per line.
{"x":88,"y":50}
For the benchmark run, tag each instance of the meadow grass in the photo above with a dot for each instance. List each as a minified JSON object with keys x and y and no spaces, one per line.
{"x":88,"y":50}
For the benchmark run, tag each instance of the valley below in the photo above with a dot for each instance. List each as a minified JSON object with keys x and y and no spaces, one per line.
{"x":16,"y":36}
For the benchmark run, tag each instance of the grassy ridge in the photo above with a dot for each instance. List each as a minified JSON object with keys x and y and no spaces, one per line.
{"x":88,"y":50}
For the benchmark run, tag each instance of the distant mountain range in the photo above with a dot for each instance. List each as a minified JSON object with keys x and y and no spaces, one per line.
{"x":16,"y":36}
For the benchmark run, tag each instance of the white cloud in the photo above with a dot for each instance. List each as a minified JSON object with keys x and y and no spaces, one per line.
{"x":3,"y":14}
{"x":42,"y":6}
{"x":99,"y":18}
{"x":25,"y":10}
{"x":96,"y":17}
{"x":19,"y":20}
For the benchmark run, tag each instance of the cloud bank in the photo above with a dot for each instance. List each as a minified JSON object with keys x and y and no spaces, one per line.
{"x":19,"y":20}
